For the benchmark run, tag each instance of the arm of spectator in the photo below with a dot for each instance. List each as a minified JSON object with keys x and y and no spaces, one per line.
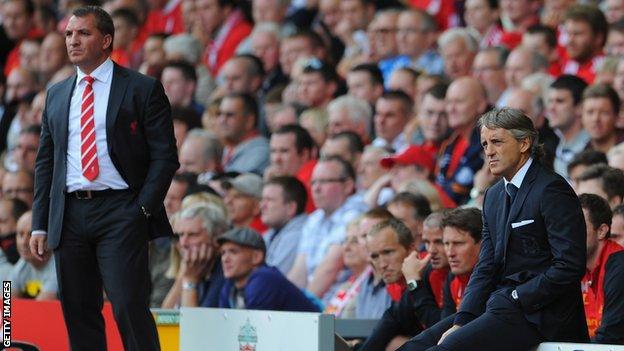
{"x":46,"y":295}
{"x":298,"y":273}
{"x":371,"y":196}
{"x":611,"y":330}
{"x":194,"y":267}
{"x":173,"y":296}
{"x":327,"y":271}
{"x":396,"y":342}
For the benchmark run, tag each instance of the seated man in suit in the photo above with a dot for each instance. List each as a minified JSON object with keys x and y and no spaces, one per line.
{"x":603,"y":295}
{"x":252,"y":285}
{"x":526,"y":285}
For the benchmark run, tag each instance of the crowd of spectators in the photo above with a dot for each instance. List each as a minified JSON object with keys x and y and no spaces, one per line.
{"x":323,"y":143}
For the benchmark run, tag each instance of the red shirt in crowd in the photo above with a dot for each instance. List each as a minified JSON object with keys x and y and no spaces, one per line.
{"x":585,"y":70}
{"x":442,"y":10}
{"x":458,"y":287}
{"x":13,"y":59}
{"x":166,"y":20}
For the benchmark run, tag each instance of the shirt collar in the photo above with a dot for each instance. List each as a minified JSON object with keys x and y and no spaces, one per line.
{"x":519,"y":176}
{"x":102,"y":73}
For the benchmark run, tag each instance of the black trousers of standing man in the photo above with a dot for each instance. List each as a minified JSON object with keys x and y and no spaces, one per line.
{"x":104,"y":244}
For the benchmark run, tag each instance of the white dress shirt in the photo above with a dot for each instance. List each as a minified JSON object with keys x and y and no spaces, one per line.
{"x":108,"y":176}
{"x":519,"y":176}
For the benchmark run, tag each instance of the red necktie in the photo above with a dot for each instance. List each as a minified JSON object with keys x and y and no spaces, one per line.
{"x":88,"y":149}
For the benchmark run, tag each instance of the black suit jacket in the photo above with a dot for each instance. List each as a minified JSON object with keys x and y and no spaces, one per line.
{"x":141,"y":145}
{"x":543,"y":260}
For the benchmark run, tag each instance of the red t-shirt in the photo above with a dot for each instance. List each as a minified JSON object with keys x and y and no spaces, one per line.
{"x":585,"y":70}
{"x":304,"y":175}
{"x":437,"y":277}
{"x":442,"y":10}
{"x":458,"y":287}
{"x":167,"y":20}
{"x":592,"y":287}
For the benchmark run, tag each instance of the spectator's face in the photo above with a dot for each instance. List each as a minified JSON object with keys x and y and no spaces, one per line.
{"x":330,"y":12}
{"x":516,"y":10}
{"x":29,"y":55}
{"x":405,"y":213}
{"x":265,"y":46}
{"x":432,"y":238}
{"x":25,"y":151}
{"x":239,"y":261}
{"x":124,"y":33}
{"x":354,"y":250}
{"x":210,"y":15}
{"x":274,"y":210}
{"x":382,"y":36}
{"x":241,"y":208}
{"x":594,"y":235}
{"x":614,"y":10}
{"x":618,"y":80}
{"x":355,"y":14}
{"x":537,"y":42}
{"x":592,"y":186}
{"x":433,"y":119}
{"x":489,"y":71}
{"x":233,"y":123}
{"x":193,"y":235}
{"x":284,"y":155}
{"x":615,"y":44}
{"x":86,"y":51}
{"x":410,"y":37}
{"x":7,"y":222}
{"x":517,"y":67}
{"x":338,"y":147}
{"x":178,"y":89}
{"x":461,"y":250}
{"x":404,"y":81}
{"x":561,"y":112}
{"x":291,"y":50}
{"x":22,"y":238}
{"x":457,"y":59}
{"x":387,"y":254}
{"x":503,"y":151}
{"x":234,"y":77}
{"x":18,"y":186}
{"x":390,"y":119}
{"x":313,"y":90}
{"x":330,"y":188}
{"x":403,"y":173}
{"x":53,"y":54}
{"x":617,"y":229}
{"x":369,"y":169}
{"x":479,"y":15}
{"x":154,"y":52}
{"x":173,"y":199}
{"x":599,"y":118}
{"x":361,"y":86}
{"x":36,"y":109}
{"x":582,"y":42}
{"x":15,"y":20}
{"x":340,"y":121}
{"x":267,"y":11}
{"x":18,"y":85}
{"x":192,"y":158}
{"x":463,"y":104}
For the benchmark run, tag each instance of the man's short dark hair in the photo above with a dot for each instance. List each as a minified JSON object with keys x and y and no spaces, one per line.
{"x":501,"y":54}
{"x":397,"y":95}
{"x":379,"y":213}
{"x":103,"y":21}
{"x":590,"y":15}
{"x":250,"y":105}
{"x":128,"y":15}
{"x":354,"y":142}
{"x":418,"y":203}
{"x":303,"y":139}
{"x":404,"y":235}
{"x":293,"y":190}
{"x":327,"y":71}
{"x":373,"y":71}
{"x":598,"y":210}
{"x":254,"y":67}
{"x":438,"y":91}
{"x":186,"y":115}
{"x":602,"y":90}
{"x":315,"y":40}
{"x":465,"y":219}
{"x":517,"y":123}
{"x":29,"y":6}
{"x":187,"y":70}
{"x":611,"y":179}
{"x":347,"y":169}
{"x":575,"y":85}
{"x":549,"y":34}
{"x":587,"y":158}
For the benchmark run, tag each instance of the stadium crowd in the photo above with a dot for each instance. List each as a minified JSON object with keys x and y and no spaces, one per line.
{"x":330,"y":158}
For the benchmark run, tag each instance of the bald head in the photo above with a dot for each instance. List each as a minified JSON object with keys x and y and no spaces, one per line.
{"x":465,"y":101}
{"x":525,"y":101}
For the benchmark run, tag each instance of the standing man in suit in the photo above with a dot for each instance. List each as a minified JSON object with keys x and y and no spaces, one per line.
{"x":526,"y":285}
{"x":106,"y":158}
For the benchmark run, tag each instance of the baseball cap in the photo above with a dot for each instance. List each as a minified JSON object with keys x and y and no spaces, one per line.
{"x":245,"y":237}
{"x":247,"y":183}
{"x":413,"y":155}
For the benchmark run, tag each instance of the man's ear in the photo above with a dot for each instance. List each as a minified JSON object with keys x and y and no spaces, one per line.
{"x":602,"y":231}
{"x":257,"y":257}
{"x":107,"y":42}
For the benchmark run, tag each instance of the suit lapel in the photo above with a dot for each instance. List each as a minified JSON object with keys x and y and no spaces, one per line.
{"x":63,"y":104}
{"x":115,"y":98}
{"x":524,"y":190}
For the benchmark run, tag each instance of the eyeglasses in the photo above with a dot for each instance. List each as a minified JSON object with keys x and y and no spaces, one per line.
{"x":327,"y":181}
{"x":382,"y":31}
{"x":313,"y":63}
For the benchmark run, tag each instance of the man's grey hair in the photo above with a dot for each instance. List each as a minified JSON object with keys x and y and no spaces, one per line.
{"x":267,"y":27}
{"x":434,"y":220}
{"x":538,"y":61}
{"x":428,"y":23}
{"x":454,"y":34}
{"x":517,"y":123}
{"x":213,"y":150}
{"x":214,"y":219}
{"x":185,"y":44}
{"x":357,"y":110}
